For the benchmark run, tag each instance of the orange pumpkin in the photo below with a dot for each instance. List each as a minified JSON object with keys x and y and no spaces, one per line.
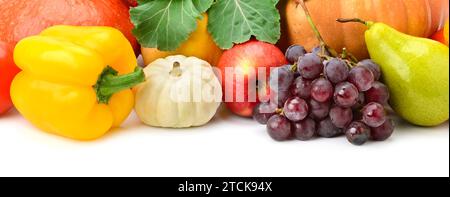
{"x":415,"y":17}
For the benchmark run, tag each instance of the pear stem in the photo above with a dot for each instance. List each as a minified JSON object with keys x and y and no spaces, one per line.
{"x":351,"y":20}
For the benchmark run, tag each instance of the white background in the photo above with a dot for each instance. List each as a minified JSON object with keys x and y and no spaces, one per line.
{"x":228,"y":146}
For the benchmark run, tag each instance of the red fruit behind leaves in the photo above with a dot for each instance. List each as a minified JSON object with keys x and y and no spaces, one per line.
{"x":22,"y":18}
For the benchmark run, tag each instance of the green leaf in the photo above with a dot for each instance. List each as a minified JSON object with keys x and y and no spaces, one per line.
{"x":143,"y":1}
{"x":203,"y":5}
{"x":164,"y":24}
{"x":235,"y":21}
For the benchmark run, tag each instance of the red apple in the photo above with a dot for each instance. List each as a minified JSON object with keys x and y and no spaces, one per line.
{"x":240,"y":92}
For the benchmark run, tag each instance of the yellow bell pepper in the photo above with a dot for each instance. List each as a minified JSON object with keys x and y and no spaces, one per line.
{"x":75,"y":81}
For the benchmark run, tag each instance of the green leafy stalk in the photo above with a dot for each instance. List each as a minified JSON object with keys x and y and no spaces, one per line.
{"x":166,"y":24}
{"x":236,"y":21}
{"x":202,"y":5}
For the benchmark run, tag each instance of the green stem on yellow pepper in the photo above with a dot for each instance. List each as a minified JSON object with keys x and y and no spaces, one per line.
{"x":110,"y":83}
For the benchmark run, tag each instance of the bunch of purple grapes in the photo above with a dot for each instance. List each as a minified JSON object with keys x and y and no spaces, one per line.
{"x":321,"y":95}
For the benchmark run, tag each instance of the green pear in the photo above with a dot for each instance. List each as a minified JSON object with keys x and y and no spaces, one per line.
{"x":415,"y":70}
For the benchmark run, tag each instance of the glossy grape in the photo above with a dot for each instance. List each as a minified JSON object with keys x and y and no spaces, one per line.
{"x":294,"y":52}
{"x":341,"y":117}
{"x":360,"y":101}
{"x":357,"y":133}
{"x":372,"y":66}
{"x":377,"y":93}
{"x":383,"y":132}
{"x":373,"y":114}
{"x":263,"y":111}
{"x":310,"y":66}
{"x":281,"y":78}
{"x":318,"y":50}
{"x":279,"y":97}
{"x":321,"y":90}
{"x":301,"y":88}
{"x":290,"y":67}
{"x":318,"y":110}
{"x":279,"y":128}
{"x":336,"y":70}
{"x":345,"y":94}
{"x":320,"y":94}
{"x":305,"y":129}
{"x":295,"y":109}
{"x":327,"y":129}
{"x":361,"y":77}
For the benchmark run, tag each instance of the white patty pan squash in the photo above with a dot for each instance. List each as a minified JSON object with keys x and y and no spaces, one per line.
{"x":178,"y":92}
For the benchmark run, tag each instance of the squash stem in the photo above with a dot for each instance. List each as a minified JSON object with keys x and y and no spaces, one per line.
{"x":176,"y":70}
{"x":110,"y":83}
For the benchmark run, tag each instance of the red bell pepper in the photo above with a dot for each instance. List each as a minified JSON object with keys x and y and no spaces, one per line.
{"x":7,"y":72}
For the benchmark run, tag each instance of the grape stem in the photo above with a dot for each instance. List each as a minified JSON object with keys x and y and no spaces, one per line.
{"x":326,"y":57}
{"x":279,"y":111}
{"x":348,"y":56}
{"x":324,"y":47}
{"x":344,"y":54}
{"x":294,"y":67}
{"x":350,"y":63}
